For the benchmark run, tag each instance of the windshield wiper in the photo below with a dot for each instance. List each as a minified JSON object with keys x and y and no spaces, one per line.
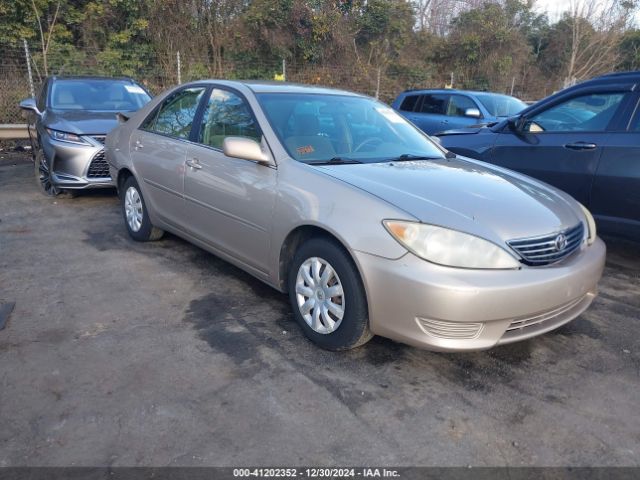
{"x":407,"y":157}
{"x":334,"y":161}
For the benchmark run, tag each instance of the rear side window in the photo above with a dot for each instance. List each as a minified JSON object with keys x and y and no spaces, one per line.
{"x":434,"y":104}
{"x":409,"y":103}
{"x":176,"y":113}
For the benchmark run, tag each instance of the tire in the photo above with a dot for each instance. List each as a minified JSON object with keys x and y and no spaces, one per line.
{"x":69,"y":193}
{"x":43,"y":176}
{"x":309,"y":264}
{"x":134,"y":212}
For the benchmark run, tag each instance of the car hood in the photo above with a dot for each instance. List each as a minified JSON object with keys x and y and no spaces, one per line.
{"x":465,"y":195}
{"x":81,"y":122}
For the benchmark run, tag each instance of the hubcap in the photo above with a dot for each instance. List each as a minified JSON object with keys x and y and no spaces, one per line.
{"x":133,"y":209}
{"x":319,"y":295}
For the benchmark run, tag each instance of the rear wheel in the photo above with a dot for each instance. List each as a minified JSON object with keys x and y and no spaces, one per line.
{"x":135,"y":213}
{"x":327,"y":296}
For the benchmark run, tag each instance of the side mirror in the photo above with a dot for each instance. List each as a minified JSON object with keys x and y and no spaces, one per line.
{"x":517,"y":123}
{"x":30,"y":104}
{"x":472,"y":112}
{"x":122,"y":118}
{"x":244,"y":148}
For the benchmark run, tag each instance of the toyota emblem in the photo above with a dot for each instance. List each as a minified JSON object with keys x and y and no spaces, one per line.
{"x":560,"y":242}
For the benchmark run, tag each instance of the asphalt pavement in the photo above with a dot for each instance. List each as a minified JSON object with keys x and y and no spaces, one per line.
{"x":122,"y":353}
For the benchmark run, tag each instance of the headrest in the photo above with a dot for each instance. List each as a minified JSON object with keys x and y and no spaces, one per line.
{"x":305,"y":124}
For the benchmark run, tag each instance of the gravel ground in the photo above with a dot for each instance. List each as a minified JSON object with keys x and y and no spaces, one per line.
{"x":120,"y":353}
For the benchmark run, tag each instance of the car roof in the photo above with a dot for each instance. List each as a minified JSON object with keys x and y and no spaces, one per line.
{"x":90,"y":77}
{"x":267,"y":86}
{"x":452,"y":90}
{"x":631,"y":76}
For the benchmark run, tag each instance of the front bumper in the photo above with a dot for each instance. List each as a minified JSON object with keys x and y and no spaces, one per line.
{"x":77,"y":167}
{"x":452,"y":309}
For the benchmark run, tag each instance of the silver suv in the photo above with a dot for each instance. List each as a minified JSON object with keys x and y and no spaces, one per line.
{"x":71,"y":118}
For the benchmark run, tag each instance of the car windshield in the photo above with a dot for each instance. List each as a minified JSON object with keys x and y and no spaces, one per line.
{"x":97,"y":95}
{"x":317,"y":127}
{"x":501,"y":105}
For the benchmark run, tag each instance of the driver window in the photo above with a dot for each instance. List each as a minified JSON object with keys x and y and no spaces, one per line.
{"x":227,"y":115}
{"x":175,"y":116}
{"x":635,"y":124}
{"x":41,"y":102}
{"x":586,"y":113}
{"x":459,"y":105}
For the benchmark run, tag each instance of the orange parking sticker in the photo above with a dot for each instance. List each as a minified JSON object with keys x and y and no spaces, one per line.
{"x":305,"y":150}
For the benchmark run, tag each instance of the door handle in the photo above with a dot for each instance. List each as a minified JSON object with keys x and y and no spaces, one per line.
{"x":194,"y":163}
{"x":138,"y":145}
{"x":580,"y":146}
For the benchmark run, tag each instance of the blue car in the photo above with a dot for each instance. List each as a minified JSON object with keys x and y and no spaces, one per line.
{"x":436,"y":110}
{"x":584,"y":140}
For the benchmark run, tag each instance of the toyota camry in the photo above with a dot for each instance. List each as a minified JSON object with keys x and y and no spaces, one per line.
{"x":367,"y":224}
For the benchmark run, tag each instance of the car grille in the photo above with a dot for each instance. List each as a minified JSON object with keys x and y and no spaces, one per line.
{"x":99,"y":138}
{"x":527,"y":327}
{"x":99,"y":168}
{"x":523,"y":323}
{"x":547,"y":249}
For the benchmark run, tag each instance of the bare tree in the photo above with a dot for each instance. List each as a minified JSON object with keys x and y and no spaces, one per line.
{"x":435,"y":15}
{"x":217,"y":17}
{"x":45,"y":38}
{"x":423,"y":13}
{"x":597,"y":27}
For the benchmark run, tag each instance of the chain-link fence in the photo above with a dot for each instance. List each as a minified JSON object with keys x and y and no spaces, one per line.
{"x":14,"y":85}
{"x":158,"y":72}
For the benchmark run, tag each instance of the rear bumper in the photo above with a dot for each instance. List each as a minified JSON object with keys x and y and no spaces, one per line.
{"x":450,"y":309}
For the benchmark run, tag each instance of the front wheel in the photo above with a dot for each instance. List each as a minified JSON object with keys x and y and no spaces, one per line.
{"x":136,"y":217}
{"x":43,"y":175}
{"x":327,"y":296}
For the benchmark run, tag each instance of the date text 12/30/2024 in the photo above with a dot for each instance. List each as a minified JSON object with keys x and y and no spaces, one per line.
{"x":315,"y":473}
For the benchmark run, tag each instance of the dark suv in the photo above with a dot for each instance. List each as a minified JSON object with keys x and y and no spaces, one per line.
{"x":584,"y":139}
{"x":71,"y":118}
{"x":436,"y":110}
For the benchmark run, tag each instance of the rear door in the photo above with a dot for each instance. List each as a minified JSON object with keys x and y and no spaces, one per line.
{"x":562,"y":144}
{"x":159,"y":149}
{"x":430,"y":112}
{"x":616,"y":187}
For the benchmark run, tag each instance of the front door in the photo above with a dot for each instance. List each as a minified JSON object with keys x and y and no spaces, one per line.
{"x":561,"y":145}
{"x":229,"y":201}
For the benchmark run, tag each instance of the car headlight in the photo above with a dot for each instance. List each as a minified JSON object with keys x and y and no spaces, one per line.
{"x":66,"y":137}
{"x":591,"y":225}
{"x":449,"y":247}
